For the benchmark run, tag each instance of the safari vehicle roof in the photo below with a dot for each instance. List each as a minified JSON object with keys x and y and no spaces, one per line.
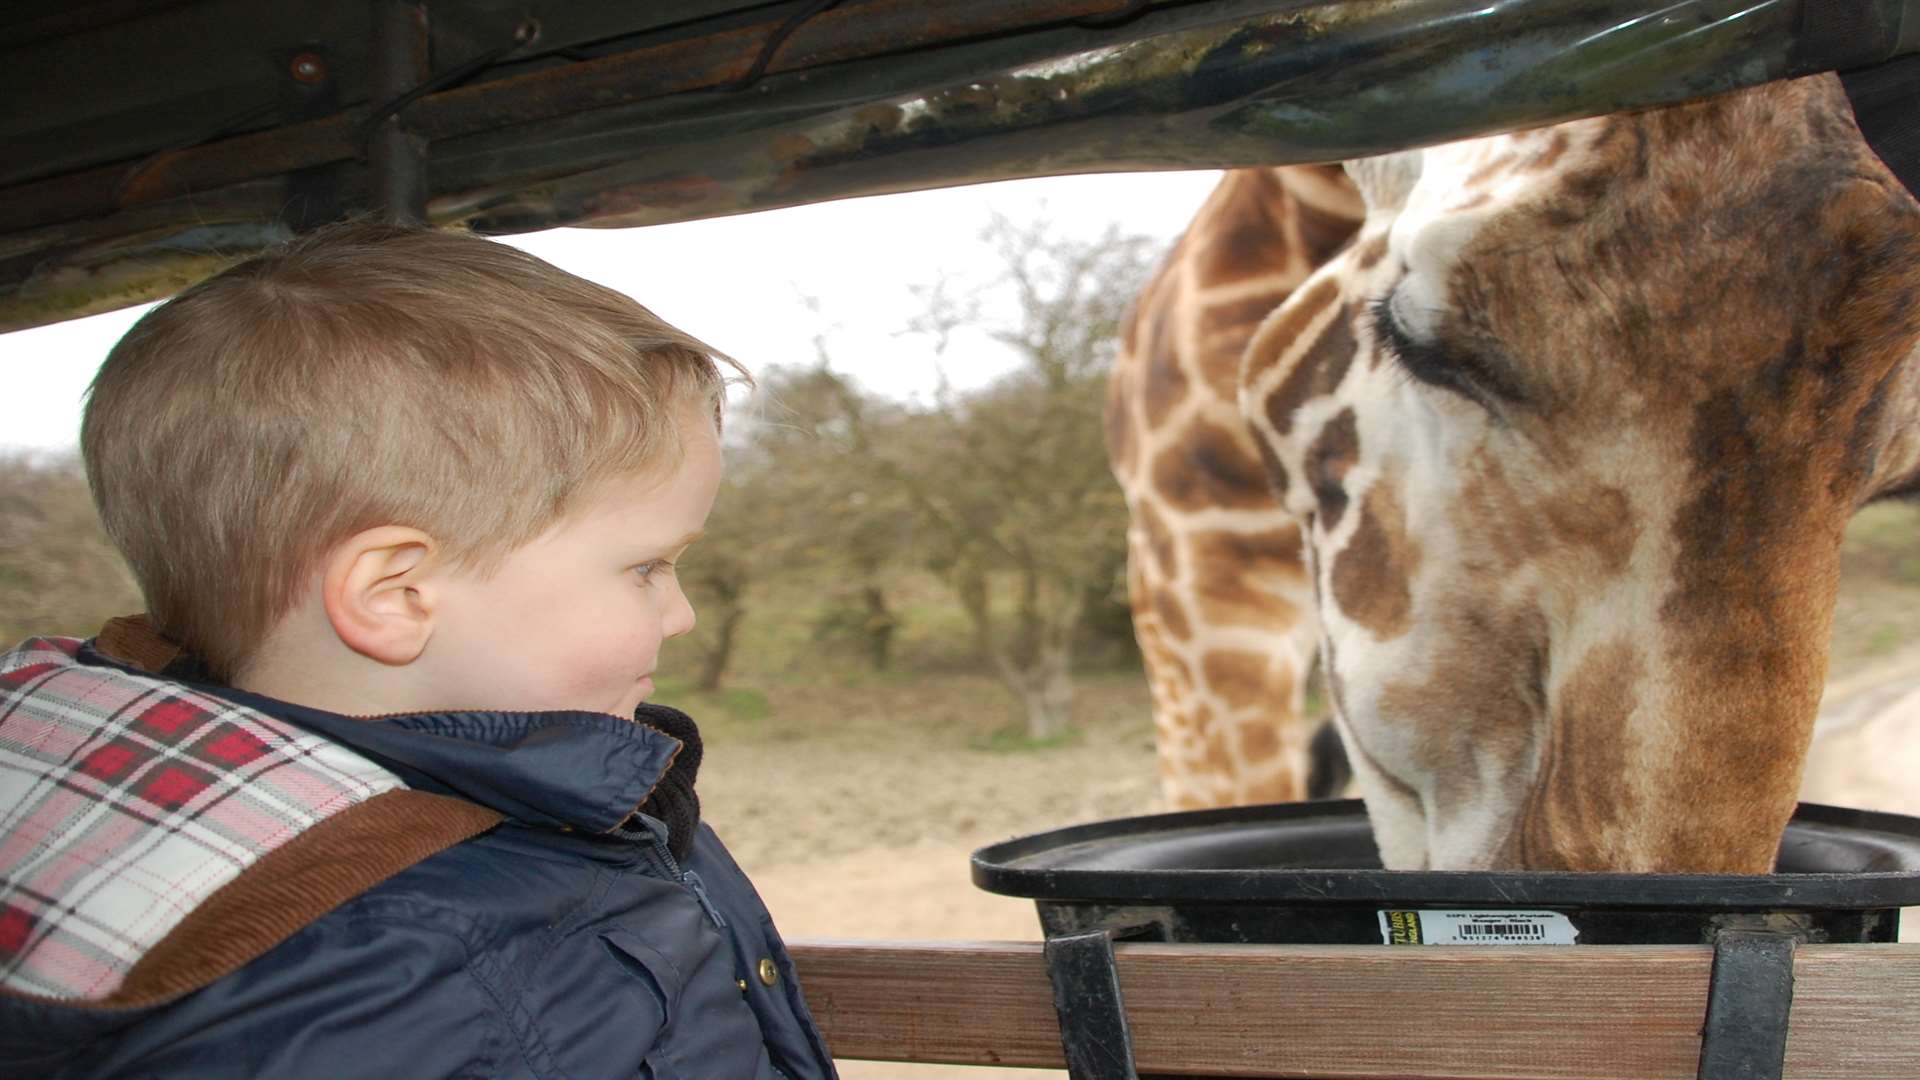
{"x":149,"y":142}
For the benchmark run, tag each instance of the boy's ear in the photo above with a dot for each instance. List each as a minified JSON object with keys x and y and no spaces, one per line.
{"x":379,"y":592}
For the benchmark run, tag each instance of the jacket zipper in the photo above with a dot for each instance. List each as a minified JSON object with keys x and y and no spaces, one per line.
{"x":656,"y":835}
{"x":663,"y":855}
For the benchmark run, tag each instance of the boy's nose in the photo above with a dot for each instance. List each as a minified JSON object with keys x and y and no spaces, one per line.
{"x":680,"y":617}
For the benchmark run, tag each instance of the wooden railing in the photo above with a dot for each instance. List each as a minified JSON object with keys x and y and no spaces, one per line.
{"x":1374,"y":1012}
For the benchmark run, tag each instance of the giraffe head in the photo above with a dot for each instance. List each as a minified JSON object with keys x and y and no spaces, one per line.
{"x":1572,"y":429}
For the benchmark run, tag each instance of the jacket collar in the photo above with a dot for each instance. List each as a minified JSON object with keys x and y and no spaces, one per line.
{"x":572,"y":769}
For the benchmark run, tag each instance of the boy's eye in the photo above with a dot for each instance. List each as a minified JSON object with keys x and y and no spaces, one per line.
{"x":647,"y":571}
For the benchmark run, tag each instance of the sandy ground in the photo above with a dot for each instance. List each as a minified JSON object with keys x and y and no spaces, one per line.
{"x":1866,"y":749}
{"x":865,"y":832}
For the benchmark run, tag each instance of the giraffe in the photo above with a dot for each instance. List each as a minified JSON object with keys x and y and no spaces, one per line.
{"x":1545,"y":443}
{"x":1221,"y":605}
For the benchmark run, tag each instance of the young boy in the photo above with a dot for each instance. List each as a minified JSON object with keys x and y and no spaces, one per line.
{"x":372,"y":790}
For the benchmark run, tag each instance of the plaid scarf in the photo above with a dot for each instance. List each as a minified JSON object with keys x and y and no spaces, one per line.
{"x":126,"y":801}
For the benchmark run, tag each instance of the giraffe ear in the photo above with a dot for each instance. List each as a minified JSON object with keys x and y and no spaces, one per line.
{"x":1385,"y":181}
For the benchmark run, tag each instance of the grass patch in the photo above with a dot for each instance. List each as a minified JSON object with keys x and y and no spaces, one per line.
{"x":737,"y":710}
{"x":746,"y":704}
{"x":1892,"y":524}
{"x":1883,"y":640}
{"x":1013,"y":739}
{"x":1315,"y":704}
{"x":1881,"y":542}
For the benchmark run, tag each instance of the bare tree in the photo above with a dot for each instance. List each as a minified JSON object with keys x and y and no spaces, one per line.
{"x":798,"y":500}
{"x":1014,"y":477}
{"x":1003,"y":492}
{"x":58,"y":573}
{"x":717,"y":578}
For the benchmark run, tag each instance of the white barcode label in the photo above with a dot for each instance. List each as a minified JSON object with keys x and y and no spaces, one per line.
{"x":1428,"y":927}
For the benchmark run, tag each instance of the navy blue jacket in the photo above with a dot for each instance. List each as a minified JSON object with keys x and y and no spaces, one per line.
{"x":565,"y":942}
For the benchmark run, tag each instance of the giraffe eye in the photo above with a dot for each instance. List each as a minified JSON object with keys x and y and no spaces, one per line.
{"x":1438,"y":365}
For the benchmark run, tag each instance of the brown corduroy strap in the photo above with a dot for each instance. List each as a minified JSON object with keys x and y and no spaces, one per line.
{"x":291,"y":887}
{"x":131,"y":639}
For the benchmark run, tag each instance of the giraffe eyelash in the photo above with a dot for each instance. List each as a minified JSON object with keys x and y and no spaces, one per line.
{"x":1436,"y":365}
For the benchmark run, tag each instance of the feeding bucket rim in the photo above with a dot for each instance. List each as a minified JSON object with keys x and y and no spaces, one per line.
{"x":1852,"y":860}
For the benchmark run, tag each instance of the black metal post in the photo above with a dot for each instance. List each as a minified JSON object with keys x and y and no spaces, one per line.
{"x":1748,"y":999}
{"x":400,"y":60}
{"x":1093,"y":1017}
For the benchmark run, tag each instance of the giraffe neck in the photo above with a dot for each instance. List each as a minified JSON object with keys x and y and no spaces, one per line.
{"x":1222,"y":610}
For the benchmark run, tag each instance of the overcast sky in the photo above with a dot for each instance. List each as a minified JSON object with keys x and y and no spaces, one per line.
{"x":739,"y":283}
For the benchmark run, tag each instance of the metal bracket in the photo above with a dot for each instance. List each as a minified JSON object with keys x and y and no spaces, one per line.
{"x":1093,"y":1017}
{"x":399,"y":59}
{"x":1748,"y":999}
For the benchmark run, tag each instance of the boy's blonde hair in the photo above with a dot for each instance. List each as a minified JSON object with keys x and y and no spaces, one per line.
{"x":368,"y":375}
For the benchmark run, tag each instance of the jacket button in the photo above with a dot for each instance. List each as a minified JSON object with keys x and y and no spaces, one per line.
{"x":768,"y":973}
{"x":742,"y":984}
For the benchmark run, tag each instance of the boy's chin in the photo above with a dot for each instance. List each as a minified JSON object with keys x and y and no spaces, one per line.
{"x":641,"y":692}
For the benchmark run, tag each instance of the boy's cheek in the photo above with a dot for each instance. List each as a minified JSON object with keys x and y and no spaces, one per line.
{"x":614,"y":664}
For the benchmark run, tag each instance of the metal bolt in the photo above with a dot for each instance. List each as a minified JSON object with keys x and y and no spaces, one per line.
{"x":307,"y":67}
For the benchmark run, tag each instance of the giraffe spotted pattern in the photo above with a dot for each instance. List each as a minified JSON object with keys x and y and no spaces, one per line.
{"x":1564,"y":427}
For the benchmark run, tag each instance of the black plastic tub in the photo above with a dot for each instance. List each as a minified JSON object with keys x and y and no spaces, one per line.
{"x":1308,"y":873}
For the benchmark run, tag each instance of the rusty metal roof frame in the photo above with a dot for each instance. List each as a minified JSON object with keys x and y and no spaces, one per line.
{"x":149,"y":142}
